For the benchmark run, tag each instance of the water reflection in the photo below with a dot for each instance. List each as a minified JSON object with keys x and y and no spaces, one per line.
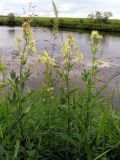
{"x":11,"y":32}
{"x":45,"y":39}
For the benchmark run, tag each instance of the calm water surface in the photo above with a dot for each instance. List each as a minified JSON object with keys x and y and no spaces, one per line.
{"x":44,"y":37}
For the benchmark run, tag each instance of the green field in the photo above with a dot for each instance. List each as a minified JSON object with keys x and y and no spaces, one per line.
{"x":69,"y":23}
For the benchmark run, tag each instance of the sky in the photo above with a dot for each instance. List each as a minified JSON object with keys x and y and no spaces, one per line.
{"x":66,"y":8}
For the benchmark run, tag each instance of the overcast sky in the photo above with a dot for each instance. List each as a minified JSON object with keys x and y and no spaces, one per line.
{"x":67,"y":8}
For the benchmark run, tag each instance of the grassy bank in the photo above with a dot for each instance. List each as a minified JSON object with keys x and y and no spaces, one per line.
{"x":69,"y":23}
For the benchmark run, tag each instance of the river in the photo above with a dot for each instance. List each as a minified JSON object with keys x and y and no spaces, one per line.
{"x":109,"y":53}
{"x":44,"y":37}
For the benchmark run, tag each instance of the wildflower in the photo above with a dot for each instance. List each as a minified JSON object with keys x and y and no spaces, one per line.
{"x":51,"y":89}
{"x":95,"y":36}
{"x":44,"y":58}
{"x":99,"y":62}
{"x":18,"y":39}
{"x":32,"y":42}
{"x":78,"y":57}
{"x":31,"y":47}
{"x":66,"y":49}
{"x":71,"y":52}
{"x":26,"y":40}
{"x":70,"y":39}
{"x":26,"y":29}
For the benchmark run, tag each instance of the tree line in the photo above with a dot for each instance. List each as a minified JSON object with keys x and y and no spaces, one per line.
{"x":100,"y":17}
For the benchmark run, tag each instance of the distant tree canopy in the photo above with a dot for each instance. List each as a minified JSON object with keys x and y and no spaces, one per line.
{"x":100,"y":17}
{"x":11,"y":19}
{"x":0,"y":20}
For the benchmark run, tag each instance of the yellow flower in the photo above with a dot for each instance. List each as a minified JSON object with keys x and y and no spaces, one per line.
{"x":28,"y":43}
{"x":66,"y":49}
{"x":71,"y":39}
{"x":51,"y":89}
{"x":26,"y":29}
{"x":96,"y":36}
{"x":18,"y":39}
{"x":99,"y":62}
{"x":33,"y":42}
{"x":23,"y":56}
{"x":78,"y":57}
{"x":44,"y":58}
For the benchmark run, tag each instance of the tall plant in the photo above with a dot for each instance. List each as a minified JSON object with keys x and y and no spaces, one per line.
{"x":26,"y":46}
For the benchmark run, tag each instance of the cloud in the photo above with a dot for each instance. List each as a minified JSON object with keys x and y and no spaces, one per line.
{"x":67,"y":8}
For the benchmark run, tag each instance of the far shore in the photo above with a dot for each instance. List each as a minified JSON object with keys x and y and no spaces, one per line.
{"x":85,"y":24}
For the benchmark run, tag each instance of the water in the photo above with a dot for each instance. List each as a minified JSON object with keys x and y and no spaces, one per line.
{"x":110,"y":53}
{"x":110,"y":44}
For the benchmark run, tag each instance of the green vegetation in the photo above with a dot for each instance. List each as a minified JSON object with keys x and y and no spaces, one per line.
{"x":11,"y":19}
{"x":56,"y":124}
{"x":86,"y":24}
{"x":100,"y":17}
{"x":55,"y":121}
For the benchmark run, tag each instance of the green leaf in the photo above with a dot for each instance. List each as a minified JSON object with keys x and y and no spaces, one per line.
{"x":16,"y":148}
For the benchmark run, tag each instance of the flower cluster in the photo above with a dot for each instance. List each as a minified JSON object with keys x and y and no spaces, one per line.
{"x":44,"y":58}
{"x":66,"y":49}
{"x":26,"y":40}
{"x":28,"y":35}
{"x":18,"y":39}
{"x":31,"y":46}
{"x":78,"y":57}
{"x":50,"y":89}
{"x":95,"y":36}
{"x":26,"y":29}
{"x":71,"y":52}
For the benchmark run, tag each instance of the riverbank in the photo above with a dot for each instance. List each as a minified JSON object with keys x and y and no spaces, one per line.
{"x":107,"y":71}
{"x":68,"y":23}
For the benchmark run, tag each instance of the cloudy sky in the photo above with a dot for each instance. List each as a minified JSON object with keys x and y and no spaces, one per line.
{"x":67,"y":8}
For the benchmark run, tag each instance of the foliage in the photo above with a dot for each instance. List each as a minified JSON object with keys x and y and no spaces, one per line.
{"x":11,"y":19}
{"x":56,"y":124}
{"x":100,"y":17}
{"x":86,"y":24}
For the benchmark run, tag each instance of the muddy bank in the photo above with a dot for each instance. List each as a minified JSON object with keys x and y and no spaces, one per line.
{"x":108,"y":69}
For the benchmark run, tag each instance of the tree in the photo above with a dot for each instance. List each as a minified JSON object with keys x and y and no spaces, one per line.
{"x":91,"y":16}
{"x":106,"y":16}
{"x":11,"y":19}
{"x":1,"y":20}
{"x":100,"y":17}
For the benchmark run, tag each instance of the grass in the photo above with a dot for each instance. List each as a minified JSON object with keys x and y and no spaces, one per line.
{"x":54,"y":125}
{"x":55,"y":122}
{"x":68,"y":23}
